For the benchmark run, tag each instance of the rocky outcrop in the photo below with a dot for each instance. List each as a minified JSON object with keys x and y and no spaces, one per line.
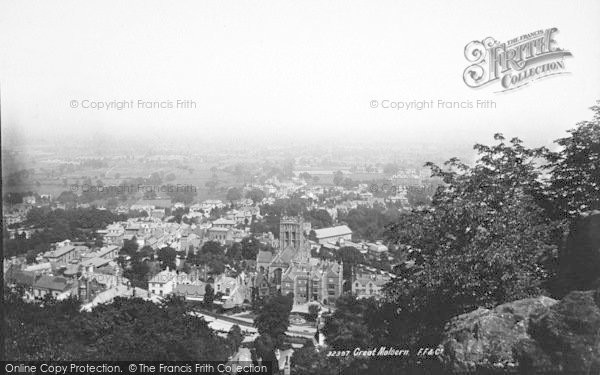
{"x":485,"y":338}
{"x":566,"y":337}
{"x":539,"y":333}
{"x":529,"y":335}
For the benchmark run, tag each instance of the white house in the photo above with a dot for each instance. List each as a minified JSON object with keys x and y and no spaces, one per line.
{"x":163,"y":283}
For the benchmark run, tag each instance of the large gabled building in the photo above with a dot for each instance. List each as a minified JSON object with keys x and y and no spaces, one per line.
{"x":333,"y":234}
{"x":293,"y":270}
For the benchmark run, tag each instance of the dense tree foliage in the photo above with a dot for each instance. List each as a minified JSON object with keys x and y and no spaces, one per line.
{"x":575,"y":169}
{"x":256,"y":195}
{"x":485,"y":240}
{"x":235,"y":337}
{"x":127,"y":329}
{"x":179,"y":193}
{"x":234,"y":194}
{"x":420,"y":195}
{"x":130,"y":247}
{"x":273,"y":317}
{"x":250,"y":247}
{"x":211,"y":254}
{"x":369,"y":223}
{"x":209,"y":295}
{"x":17,"y":197}
{"x":313,"y":312}
{"x":53,"y":226}
{"x":167,"y":256}
{"x":140,"y":267}
{"x":308,"y":361}
{"x":73,"y":219}
{"x":319,"y":218}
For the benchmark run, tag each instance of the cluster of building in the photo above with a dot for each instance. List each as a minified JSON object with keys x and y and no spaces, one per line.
{"x":67,"y":270}
{"x":94,"y":275}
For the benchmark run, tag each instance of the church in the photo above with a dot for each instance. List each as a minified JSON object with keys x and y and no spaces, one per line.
{"x":292,"y":269}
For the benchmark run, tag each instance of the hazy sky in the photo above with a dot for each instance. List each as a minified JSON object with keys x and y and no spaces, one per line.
{"x":283,"y":69}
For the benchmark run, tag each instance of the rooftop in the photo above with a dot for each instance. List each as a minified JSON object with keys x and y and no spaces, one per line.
{"x":60,"y":251}
{"x":222,"y":221}
{"x":264,"y":256}
{"x":163,"y":277}
{"x":218,"y":229}
{"x":340,"y":230}
{"x":96,"y":262}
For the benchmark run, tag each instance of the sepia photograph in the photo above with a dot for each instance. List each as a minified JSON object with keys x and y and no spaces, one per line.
{"x":339,"y":187}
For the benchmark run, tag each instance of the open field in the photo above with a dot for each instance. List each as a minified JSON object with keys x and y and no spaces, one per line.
{"x":45,"y":180}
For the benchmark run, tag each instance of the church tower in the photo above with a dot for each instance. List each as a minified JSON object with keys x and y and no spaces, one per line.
{"x":291,"y":237}
{"x":291,"y":233}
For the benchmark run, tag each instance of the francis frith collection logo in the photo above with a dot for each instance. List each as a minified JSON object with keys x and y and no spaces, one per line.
{"x":514,"y":63}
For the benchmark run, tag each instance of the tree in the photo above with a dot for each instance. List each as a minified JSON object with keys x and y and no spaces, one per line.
{"x":178,"y":214}
{"x":13,"y":198}
{"x":138,"y":273}
{"x":319,"y":218}
{"x":127,"y":329}
{"x":264,"y":346}
{"x":185,"y":195}
{"x":420,"y":195}
{"x":234,"y":194}
{"x":209,"y":295}
{"x":130,"y":247}
{"x":308,"y":361}
{"x":350,"y":256}
{"x":338,"y":178}
{"x":574,"y":172}
{"x":234,"y":253}
{"x":67,"y":197}
{"x":346,"y":327}
{"x":313,"y":312}
{"x":212,"y":247}
{"x":235,"y":337}
{"x":146,"y":252}
{"x":167,"y":256}
{"x":250,"y":247}
{"x":256,"y":195}
{"x":370,"y":222}
{"x":211,"y":254}
{"x":31,"y":257}
{"x":484,"y":242}
{"x":273,"y":317}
